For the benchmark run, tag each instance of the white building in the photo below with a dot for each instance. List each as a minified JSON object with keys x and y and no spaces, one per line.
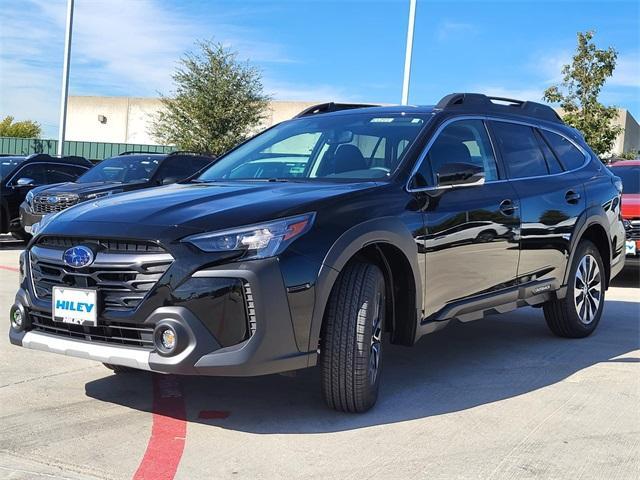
{"x":128,"y":119}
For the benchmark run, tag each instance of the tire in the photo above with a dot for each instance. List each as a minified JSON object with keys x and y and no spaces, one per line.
{"x":119,"y":368}
{"x":351,"y":347}
{"x":578,"y":314}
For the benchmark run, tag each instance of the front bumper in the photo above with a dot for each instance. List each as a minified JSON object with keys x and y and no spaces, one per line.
{"x":271,"y":348}
{"x":28,"y":218}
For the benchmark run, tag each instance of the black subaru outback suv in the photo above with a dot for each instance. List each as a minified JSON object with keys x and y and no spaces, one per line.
{"x":321,"y":236}
{"x":124,"y":173}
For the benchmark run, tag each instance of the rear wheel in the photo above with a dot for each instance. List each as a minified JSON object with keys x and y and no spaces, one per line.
{"x":578,"y":314}
{"x":351,"y":354}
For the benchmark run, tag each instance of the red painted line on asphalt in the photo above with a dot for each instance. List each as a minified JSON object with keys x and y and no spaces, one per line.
{"x":212,"y":414}
{"x":11,"y":269}
{"x":168,"y":433}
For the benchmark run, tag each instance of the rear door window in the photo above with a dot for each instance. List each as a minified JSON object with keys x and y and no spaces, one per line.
{"x":570,"y":157}
{"x":520,"y":150}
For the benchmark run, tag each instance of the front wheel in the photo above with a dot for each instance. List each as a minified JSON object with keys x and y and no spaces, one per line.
{"x":351,"y":349}
{"x":578,"y":314}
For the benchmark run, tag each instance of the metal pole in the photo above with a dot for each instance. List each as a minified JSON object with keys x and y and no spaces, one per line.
{"x":407,"y":57}
{"x":65,"y":78}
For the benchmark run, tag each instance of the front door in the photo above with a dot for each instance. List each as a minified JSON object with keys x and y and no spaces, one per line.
{"x":471,"y":237}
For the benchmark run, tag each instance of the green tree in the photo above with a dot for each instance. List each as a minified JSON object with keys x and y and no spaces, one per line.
{"x":217,"y":102}
{"x":24,"y":129}
{"x":578,"y":94}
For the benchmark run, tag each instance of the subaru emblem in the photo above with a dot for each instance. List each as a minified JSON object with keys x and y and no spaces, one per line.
{"x":78,"y":257}
{"x":52,"y":199}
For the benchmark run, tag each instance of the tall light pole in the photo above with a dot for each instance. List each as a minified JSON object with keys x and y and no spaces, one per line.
{"x":65,"y":78}
{"x":407,"y":57}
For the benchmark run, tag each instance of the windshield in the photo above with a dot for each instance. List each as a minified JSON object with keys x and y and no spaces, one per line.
{"x":351,"y":146}
{"x":125,"y":169}
{"x":630,"y":177}
{"x":8,"y":164}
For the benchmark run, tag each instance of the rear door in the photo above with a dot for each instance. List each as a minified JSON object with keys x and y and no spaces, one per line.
{"x":551,"y":199}
{"x":471,"y":231}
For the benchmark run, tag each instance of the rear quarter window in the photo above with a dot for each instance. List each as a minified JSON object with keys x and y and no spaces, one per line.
{"x":570,"y":157}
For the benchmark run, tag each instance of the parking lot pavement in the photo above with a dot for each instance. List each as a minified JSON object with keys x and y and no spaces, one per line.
{"x":499,"y":398}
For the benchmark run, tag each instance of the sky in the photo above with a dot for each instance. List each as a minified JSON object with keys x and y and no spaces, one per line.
{"x":348,"y":50}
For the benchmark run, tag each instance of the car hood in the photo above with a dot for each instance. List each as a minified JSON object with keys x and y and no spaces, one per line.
{"x":201,"y":207}
{"x":631,"y":205}
{"x":81,"y":189}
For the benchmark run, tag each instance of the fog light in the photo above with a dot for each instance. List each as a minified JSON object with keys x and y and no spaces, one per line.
{"x":17,"y":318}
{"x":168,"y":339}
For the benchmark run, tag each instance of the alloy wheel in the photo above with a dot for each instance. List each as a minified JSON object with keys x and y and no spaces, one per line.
{"x":376,"y":339}
{"x":587,"y":289}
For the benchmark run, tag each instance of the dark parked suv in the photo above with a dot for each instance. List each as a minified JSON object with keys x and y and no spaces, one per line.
{"x":19,"y":174}
{"x":124,"y":173}
{"x":321,"y":236}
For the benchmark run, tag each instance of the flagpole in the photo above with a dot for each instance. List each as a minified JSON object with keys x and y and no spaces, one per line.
{"x":408,"y":53}
{"x":65,"y":78}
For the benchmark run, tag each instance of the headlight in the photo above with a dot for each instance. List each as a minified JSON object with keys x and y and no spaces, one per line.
{"x":29,"y":197}
{"x":258,"y":241}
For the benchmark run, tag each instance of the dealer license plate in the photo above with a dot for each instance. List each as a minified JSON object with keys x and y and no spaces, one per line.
{"x":75,"y":305}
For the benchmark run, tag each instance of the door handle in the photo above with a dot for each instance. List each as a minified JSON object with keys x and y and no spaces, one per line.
{"x":507,"y":207}
{"x":572,"y":197}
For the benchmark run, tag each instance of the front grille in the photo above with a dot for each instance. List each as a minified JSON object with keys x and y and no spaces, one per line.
{"x":122,"y":272}
{"x":113,"y":333}
{"x":633,"y":230}
{"x":43,"y":203}
{"x":110,"y":244}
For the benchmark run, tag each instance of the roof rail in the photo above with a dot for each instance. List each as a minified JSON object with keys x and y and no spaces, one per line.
{"x":141,"y":152}
{"x":190,"y":152}
{"x":478,"y":101}
{"x":45,"y":157}
{"x":332,"y":107}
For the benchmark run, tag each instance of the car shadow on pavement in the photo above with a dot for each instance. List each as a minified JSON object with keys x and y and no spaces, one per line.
{"x":459,"y":368}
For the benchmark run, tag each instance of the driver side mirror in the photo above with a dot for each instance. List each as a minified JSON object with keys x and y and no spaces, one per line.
{"x":26,"y":182}
{"x":168,"y":180}
{"x":460,"y":174}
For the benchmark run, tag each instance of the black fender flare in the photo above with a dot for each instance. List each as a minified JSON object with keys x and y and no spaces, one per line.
{"x":594,"y":215}
{"x":387,"y":230}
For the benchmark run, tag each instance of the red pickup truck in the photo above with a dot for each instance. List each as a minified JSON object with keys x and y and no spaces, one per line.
{"x":629,"y":173}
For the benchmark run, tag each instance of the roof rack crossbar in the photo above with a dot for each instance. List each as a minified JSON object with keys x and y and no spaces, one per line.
{"x":478,"y":101}
{"x":332,"y":107}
